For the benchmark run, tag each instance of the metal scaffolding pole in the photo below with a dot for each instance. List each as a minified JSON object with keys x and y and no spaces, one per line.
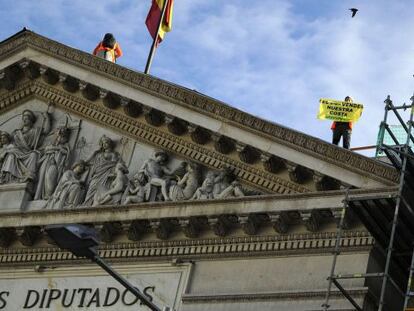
{"x":399,"y":156}
{"x":395,"y":218}
{"x":408,"y":292}
{"x":336,"y":252}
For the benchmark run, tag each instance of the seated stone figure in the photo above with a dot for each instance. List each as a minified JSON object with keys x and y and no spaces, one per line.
{"x":205,"y":192}
{"x":70,"y":190}
{"x":158,"y":175}
{"x":116,"y":188}
{"x":225,"y":186}
{"x":185,"y":188}
{"x":136,"y":191}
{"x":19,"y":159}
{"x":234,"y":190}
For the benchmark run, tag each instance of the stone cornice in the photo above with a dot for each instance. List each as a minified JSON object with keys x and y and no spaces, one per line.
{"x":193,"y":100}
{"x":211,"y":248}
{"x":190,"y":219}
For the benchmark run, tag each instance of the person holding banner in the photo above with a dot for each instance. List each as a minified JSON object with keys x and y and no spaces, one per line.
{"x":343,"y":129}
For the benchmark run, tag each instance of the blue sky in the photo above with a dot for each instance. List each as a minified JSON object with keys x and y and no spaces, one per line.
{"x":271,"y":58}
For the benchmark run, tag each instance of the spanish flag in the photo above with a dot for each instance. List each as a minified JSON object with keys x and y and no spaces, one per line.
{"x":154,"y":15}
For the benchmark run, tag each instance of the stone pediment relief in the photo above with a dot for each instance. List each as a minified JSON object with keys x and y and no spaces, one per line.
{"x":256,"y":170}
{"x":63,"y":161}
{"x":373,"y":174}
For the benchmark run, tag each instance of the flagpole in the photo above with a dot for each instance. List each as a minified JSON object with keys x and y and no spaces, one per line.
{"x":154,"y":42}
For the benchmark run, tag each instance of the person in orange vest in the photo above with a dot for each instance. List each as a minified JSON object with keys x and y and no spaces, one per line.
{"x":343,"y":129}
{"x":108,"y":48}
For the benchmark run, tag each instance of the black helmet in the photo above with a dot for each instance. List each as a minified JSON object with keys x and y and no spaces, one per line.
{"x":109,"y":41}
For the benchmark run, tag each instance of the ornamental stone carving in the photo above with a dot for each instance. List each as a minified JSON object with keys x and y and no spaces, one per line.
{"x":225,"y":186}
{"x":137,"y":190}
{"x":158,"y":175}
{"x":70,"y":191}
{"x":56,"y":155}
{"x":113,"y":193}
{"x":54,"y":160}
{"x":19,"y":154}
{"x":205,"y":192}
{"x":137,"y":229}
{"x":186,"y":187}
{"x":102,"y":164}
{"x":279,"y":223}
{"x":30,"y":235}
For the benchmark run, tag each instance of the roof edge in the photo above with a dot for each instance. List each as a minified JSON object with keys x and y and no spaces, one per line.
{"x":196,"y":101}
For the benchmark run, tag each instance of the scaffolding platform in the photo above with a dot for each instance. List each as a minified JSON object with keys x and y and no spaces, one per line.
{"x":389,"y":217}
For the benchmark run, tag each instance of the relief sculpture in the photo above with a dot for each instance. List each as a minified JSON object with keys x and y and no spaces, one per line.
{"x":136,"y":190}
{"x":19,"y":155}
{"x":205,"y":192}
{"x":158,"y":175}
{"x":225,"y":186}
{"x":70,"y":191}
{"x":113,"y":194}
{"x":40,"y":155}
{"x":185,"y":187}
{"x":102,"y":164}
{"x":53,"y":162}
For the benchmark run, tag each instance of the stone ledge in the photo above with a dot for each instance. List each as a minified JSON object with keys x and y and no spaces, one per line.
{"x":328,"y":200}
{"x":359,"y":292}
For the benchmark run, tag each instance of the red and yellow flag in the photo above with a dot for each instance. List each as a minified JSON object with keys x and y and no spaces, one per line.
{"x":153,"y":18}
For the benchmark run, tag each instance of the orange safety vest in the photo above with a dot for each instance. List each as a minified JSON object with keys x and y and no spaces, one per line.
{"x":333,"y":126}
{"x":108,"y":53}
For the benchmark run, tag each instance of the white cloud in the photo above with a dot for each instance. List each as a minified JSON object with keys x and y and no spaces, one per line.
{"x":272,"y":58}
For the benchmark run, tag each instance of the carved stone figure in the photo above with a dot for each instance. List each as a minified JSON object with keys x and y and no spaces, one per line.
{"x":102,"y":164}
{"x":205,"y":192}
{"x":225,"y":186}
{"x":185,"y":188}
{"x":113,"y":194}
{"x":6,"y":146}
{"x":158,"y":174}
{"x":234,"y":190}
{"x":136,"y":191}
{"x":222,"y":180}
{"x":71,"y":189}
{"x":19,"y":159}
{"x":28,"y":137}
{"x":53,"y":162}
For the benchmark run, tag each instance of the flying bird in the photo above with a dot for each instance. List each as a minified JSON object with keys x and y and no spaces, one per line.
{"x":354,"y":11}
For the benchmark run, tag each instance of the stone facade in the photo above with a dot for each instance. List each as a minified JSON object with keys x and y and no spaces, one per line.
{"x":200,"y":205}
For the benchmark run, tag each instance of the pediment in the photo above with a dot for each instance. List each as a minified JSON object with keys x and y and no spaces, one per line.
{"x":142,"y":114}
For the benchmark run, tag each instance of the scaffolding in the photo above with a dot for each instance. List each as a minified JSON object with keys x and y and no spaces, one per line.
{"x":390,"y":220}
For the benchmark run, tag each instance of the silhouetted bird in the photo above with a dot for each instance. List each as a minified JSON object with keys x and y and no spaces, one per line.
{"x":354,"y":11}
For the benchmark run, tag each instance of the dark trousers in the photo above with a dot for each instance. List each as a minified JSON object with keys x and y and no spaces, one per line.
{"x":345,"y":132}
